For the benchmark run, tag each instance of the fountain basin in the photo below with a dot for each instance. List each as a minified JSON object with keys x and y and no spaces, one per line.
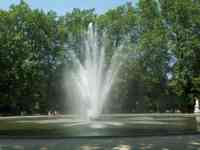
{"x":115,"y":125}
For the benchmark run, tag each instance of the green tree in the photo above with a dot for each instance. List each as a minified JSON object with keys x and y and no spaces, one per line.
{"x":182,"y":20}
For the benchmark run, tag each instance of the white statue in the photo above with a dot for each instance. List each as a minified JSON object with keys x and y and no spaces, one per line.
{"x":196,"y":107}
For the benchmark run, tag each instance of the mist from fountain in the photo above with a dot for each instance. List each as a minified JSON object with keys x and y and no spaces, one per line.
{"x":93,"y":76}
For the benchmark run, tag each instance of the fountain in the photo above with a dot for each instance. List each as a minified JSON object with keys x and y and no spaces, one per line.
{"x":94,"y":75}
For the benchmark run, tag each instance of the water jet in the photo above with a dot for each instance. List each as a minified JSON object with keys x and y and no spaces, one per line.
{"x":93,"y":76}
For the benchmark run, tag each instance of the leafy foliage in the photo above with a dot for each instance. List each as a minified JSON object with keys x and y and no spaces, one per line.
{"x":161,"y":42}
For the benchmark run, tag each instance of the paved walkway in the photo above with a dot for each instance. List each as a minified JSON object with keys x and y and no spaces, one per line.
{"x":188,"y":142}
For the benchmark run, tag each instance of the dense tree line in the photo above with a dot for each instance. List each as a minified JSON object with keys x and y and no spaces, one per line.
{"x":161,"y":39}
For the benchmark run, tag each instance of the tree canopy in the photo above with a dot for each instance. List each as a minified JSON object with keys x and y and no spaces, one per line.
{"x":161,"y":40}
